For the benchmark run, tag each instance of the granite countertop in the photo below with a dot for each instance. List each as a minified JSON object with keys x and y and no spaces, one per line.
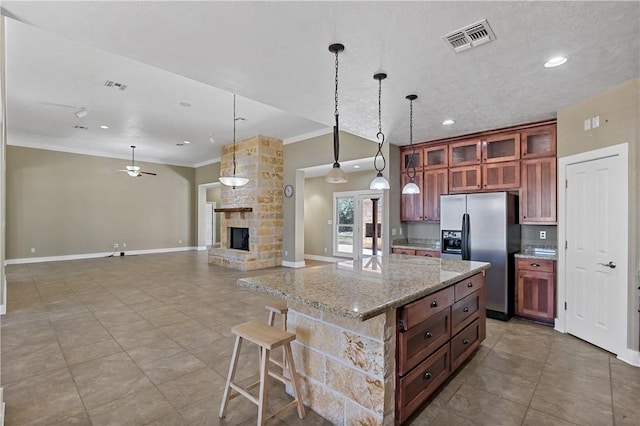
{"x":538,"y":254}
{"x":416,"y":246}
{"x":364,"y":289}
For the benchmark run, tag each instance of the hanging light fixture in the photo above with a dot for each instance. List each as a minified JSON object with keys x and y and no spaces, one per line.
{"x":411,"y":187}
{"x":379,"y":182}
{"x":234,"y":180}
{"x":336,"y":175}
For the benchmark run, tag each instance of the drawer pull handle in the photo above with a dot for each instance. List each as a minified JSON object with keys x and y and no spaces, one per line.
{"x":428,"y":335}
{"x":426,"y":376}
{"x":428,"y":255}
{"x":465,"y":309}
{"x":469,"y":285}
{"x":434,"y":304}
{"x":465,"y":342}
{"x":535,"y":265}
{"x":404,"y":252}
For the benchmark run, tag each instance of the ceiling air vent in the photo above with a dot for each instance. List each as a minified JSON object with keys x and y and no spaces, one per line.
{"x":115,"y":85}
{"x":470,"y":36}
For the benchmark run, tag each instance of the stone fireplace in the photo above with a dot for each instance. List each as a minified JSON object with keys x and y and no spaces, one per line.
{"x":255,"y":207}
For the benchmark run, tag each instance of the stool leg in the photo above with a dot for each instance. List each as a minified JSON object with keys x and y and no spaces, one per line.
{"x":294,"y":380}
{"x":264,"y":375}
{"x":232,"y":373}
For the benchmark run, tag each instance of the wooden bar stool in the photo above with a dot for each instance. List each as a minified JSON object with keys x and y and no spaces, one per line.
{"x":278,"y":308}
{"x":267,"y":338}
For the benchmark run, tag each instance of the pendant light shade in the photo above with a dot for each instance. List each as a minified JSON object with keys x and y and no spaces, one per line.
{"x":234,"y":180}
{"x":336,"y":175}
{"x":379,"y":182}
{"x":411,"y":187}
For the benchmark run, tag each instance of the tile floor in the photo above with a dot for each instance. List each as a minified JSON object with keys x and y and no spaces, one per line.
{"x":146,"y":340}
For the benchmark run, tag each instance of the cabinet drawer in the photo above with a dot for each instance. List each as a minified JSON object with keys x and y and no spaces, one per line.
{"x":415,"y":312}
{"x":464,"y":344}
{"x":417,"y":343}
{"x":428,"y":253}
{"x":535,"y":265}
{"x":422,"y":381}
{"x":464,"y":311}
{"x":468,"y":286}
{"x":410,"y":252}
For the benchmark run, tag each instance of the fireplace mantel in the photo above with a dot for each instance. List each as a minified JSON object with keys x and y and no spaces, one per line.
{"x":227,"y":210}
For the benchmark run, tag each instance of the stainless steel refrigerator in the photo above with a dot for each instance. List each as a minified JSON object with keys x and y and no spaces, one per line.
{"x":484,"y":227}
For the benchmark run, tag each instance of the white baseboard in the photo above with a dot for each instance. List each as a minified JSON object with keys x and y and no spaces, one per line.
{"x":630,"y":357}
{"x":200,"y":248}
{"x":93,"y":255}
{"x":293,"y":264}
{"x":2,"y":407}
{"x":324,"y":258}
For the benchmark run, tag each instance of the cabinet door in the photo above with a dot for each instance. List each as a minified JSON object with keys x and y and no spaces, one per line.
{"x":410,"y":159}
{"x":501,"y":175}
{"x":436,"y":183}
{"x":436,"y":157}
{"x":411,"y":207}
{"x":465,"y":179}
{"x":538,"y":191}
{"x":539,"y":142}
{"x":535,"y":295}
{"x":465,"y":153}
{"x":501,"y":147}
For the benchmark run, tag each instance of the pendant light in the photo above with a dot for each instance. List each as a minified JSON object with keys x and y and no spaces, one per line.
{"x":234,"y":180}
{"x":336,"y":175}
{"x":411,"y":187}
{"x":379,"y":182}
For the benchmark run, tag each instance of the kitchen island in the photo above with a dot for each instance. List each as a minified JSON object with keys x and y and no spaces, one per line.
{"x":356,"y":324}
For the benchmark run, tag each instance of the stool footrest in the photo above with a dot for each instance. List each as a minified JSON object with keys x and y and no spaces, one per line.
{"x":242,"y":391}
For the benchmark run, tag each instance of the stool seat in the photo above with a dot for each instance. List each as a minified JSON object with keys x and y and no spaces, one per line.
{"x":262,"y":334}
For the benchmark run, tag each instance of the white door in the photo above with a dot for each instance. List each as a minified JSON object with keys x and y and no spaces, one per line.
{"x":352,"y":216}
{"x":210,"y":224}
{"x":596,"y":263}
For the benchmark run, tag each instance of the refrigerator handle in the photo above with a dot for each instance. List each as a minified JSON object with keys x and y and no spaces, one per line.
{"x":466,"y":255}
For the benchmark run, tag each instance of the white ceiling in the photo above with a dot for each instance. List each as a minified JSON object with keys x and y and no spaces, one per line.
{"x":274,"y":56}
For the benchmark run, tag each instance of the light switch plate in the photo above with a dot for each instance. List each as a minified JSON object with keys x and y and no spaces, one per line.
{"x":595,"y":122}
{"x":587,"y":124}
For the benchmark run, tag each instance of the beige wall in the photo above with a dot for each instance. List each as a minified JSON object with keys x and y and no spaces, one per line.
{"x":66,"y":204}
{"x":318,"y":151}
{"x":619,"y":111}
{"x":207,"y":174}
{"x":318,"y":209}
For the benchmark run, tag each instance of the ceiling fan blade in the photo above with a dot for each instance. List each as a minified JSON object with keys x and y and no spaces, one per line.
{"x":148,"y":173}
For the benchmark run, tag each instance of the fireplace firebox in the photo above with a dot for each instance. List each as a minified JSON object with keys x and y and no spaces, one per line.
{"x":239,"y":238}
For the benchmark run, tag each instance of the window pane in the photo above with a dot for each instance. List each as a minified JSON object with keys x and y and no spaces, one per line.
{"x":345,"y":239}
{"x":345,"y":211}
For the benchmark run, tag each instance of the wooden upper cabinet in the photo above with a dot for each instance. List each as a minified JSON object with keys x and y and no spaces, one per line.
{"x":465,"y":153}
{"x":410,"y":160}
{"x":412,"y":204}
{"x":465,"y":179}
{"x":501,"y":176}
{"x":435,"y":184}
{"x":539,"y":142}
{"x":502,"y":147}
{"x":538,"y":191}
{"x":436,"y":157}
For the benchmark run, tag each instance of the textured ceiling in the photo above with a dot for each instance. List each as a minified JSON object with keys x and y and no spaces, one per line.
{"x":274,"y":56}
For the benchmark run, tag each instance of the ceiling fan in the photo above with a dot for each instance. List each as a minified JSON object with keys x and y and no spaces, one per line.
{"x":133,"y":170}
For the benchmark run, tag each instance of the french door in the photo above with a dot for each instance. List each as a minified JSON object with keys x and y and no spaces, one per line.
{"x":357,"y":219}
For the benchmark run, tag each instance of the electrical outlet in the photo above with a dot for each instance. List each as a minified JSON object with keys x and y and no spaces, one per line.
{"x":124,"y":244}
{"x":325,"y":249}
{"x":595,"y":122}
{"x":286,"y":253}
{"x":115,"y":245}
{"x":587,"y":124}
{"x":400,"y":231}
{"x":33,"y":250}
{"x":393,"y":231}
{"x":179,"y":241}
{"x":543,"y":235}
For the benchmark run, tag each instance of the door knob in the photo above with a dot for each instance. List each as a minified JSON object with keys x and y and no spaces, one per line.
{"x":611,"y":264}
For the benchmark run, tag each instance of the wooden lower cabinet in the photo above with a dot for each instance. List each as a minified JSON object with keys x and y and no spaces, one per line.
{"x":435,"y":335}
{"x":428,"y":253}
{"x":410,"y":252}
{"x":535,"y":289}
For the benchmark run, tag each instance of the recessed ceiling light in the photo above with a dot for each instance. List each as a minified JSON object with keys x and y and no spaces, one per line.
{"x":356,"y":167}
{"x":555,"y":62}
{"x":104,"y":127}
{"x":187,"y":142}
{"x":448,"y":122}
{"x":185,"y":104}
